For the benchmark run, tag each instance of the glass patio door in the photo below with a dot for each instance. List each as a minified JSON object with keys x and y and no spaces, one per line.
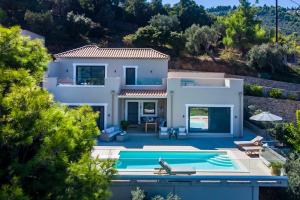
{"x":209,"y":119}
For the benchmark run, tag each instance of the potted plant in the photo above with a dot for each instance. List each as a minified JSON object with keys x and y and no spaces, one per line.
{"x":124,"y":125}
{"x":276,"y":168}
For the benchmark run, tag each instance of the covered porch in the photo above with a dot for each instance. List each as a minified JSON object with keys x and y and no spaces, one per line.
{"x":143,"y":110}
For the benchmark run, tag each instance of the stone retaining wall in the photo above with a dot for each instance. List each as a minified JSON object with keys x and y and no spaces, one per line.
{"x":268,"y":83}
{"x":281,"y":107}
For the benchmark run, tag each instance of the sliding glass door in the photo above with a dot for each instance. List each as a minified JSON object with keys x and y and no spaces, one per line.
{"x":209,"y":119}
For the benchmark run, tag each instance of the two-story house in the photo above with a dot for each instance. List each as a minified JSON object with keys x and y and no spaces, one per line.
{"x":134,"y":84}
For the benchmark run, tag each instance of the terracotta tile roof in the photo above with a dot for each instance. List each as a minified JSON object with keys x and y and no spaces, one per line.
{"x":142,"y":93}
{"x":93,"y":51}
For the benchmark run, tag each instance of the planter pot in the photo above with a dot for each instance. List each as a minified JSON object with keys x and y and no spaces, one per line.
{"x":275,"y":171}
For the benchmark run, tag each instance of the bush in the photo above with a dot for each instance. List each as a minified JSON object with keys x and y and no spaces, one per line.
{"x":279,"y":131}
{"x":253,"y":90}
{"x":138,"y":194}
{"x":230,"y":55}
{"x":267,"y":58}
{"x":292,"y":168}
{"x":275,"y":93}
{"x":292,"y":135}
{"x":200,"y":40}
{"x":292,"y":96}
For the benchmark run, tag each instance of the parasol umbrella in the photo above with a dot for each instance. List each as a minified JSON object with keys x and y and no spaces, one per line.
{"x":266,"y":117}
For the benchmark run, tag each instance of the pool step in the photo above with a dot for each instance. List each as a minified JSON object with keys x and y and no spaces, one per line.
{"x":220,"y":160}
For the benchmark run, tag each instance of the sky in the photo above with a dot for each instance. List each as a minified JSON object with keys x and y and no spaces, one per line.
{"x":213,"y":3}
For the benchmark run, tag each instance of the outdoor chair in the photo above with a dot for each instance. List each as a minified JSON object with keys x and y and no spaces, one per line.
{"x":175,"y":170}
{"x":257,"y":141}
{"x":252,"y":150}
{"x":163,"y":133}
{"x":182,"y":133}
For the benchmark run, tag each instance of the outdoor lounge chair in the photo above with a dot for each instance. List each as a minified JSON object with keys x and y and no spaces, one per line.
{"x":163,"y":133}
{"x":254,"y":142}
{"x":252,"y":150}
{"x":182,"y":133}
{"x":176,"y":170}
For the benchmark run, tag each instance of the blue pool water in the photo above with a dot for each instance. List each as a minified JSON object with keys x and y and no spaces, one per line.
{"x":219,"y":161}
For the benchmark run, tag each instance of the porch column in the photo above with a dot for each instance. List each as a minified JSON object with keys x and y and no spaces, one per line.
{"x":113,"y":107}
{"x":171,"y":106}
{"x":241,"y":95}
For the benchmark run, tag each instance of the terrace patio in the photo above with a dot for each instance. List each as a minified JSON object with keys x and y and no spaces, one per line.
{"x":142,"y":141}
{"x":250,"y":166}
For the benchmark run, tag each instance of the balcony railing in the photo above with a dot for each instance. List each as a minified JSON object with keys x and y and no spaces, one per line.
{"x":210,"y":82}
{"x":149,"y":81}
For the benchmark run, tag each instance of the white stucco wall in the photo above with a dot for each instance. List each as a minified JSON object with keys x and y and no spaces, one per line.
{"x":231,"y":94}
{"x":146,"y":68}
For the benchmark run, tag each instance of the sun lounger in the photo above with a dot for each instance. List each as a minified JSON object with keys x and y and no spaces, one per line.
{"x":252,"y":150}
{"x":254,"y":142}
{"x":176,"y":170}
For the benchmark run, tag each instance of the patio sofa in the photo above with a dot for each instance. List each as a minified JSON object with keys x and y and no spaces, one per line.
{"x":110,"y":134}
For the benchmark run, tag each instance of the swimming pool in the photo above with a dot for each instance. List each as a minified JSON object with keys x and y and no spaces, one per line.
{"x":200,"y":160}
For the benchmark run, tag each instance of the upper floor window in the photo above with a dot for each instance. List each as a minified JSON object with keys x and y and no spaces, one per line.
{"x":90,"y":75}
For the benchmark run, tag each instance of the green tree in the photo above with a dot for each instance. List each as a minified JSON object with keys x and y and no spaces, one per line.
{"x":79,"y":25}
{"x":41,"y":23}
{"x":242,"y":29}
{"x":200,"y":40}
{"x":147,"y":36}
{"x":190,"y":13}
{"x":100,"y":11}
{"x":156,"y":7}
{"x":17,"y":52}
{"x":137,"y":11}
{"x":85,"y":182}
{"x":42,"y":142}
{"x":267,"y":58}
{"x":292,"y":168}
{"x":293,"y":135}
{"x":165,"y":25}
{"x":177,"y":42}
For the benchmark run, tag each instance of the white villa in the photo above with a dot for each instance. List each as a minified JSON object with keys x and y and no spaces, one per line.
{"x":135,"y":86}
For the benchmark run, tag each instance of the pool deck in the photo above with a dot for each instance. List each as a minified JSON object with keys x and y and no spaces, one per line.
{"x":249,"y":166}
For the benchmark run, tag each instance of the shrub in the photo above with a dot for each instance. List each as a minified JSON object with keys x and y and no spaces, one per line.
{"x":138,"y":194}
{"x":292,"y":96}
{"x":275,"y":93}
{"x":267,"y":58}
{"x":292,"y":135}
{"x":230,"y":55}
{"x":253,"y":90}
{"x":200,"y":40}
{"x":124,"y":125}
{"x":292,"y":168}
{"x":279,"y":131}
{"x":276,"y":167}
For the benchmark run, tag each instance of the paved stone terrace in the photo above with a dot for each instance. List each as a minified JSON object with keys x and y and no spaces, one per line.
{"x":250,"y":166}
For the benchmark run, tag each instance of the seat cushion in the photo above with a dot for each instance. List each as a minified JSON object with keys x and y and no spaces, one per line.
{"x":163,"y":133}
{"x":163,"y":129}
{"x":181,"y":130}
{"x":109,"y":130}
